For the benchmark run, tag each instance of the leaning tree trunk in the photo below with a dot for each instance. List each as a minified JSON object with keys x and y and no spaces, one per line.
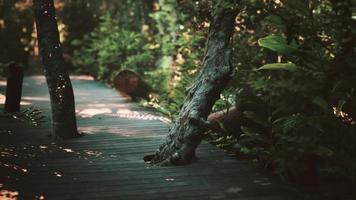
{"x":59,"y":85}
{"x":186,"y":133}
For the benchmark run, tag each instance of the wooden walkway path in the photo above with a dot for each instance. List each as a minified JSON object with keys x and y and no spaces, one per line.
{"x":107,"y":162}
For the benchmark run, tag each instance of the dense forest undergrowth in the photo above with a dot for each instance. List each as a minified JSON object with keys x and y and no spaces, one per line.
{"x":292,"y":95}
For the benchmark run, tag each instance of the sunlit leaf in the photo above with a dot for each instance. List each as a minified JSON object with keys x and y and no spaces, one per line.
{"x":280,"y":66}
{"x":277,"y":43}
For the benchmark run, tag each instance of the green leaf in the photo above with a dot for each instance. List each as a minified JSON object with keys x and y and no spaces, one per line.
{"x":279,"y":66}
{"x":277,"y":43}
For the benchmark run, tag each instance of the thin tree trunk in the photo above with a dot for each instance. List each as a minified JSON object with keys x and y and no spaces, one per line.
{"x":59,"y":85}
{"x":14,"y":88}
{"x":186,"y":133}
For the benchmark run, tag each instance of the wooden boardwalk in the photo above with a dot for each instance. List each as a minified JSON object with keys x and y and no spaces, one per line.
{"x":107,"y":163}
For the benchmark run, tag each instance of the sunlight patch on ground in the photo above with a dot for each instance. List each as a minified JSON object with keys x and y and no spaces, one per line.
{"x":57,"y":174}
{"x":68,"y":150}
{"x":112,"y":106}
{"x":25,"y":103}
{"x":99,"y":105}
{"x":40,"y":197}
{"x":29,"y":98}
{"x":3,"y":97}
{"x":262,"y":181}
{"x":115,"y":131}
{"x":13,"y":166}
{"x":128,"y":133}
{"x":234,"y":190}
{"x":93,"y":153}
{"x":39,"y":80}
{"x":108,"y":105}
{"x":129,"y":114}
{"x":2,"y":83}
{"x":90,"y":112}
{"x":96,"y":130}
{"x":82,"y":77}
{"x":102,"y":109}
{"x":8,"y":194}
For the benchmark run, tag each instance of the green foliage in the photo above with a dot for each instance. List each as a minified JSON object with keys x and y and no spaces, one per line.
{"x":73,"y":20}
{"x":166,"y":19}
{"x":30,"y":115}
{"x":181,"y":49}
{"x":295,"y":110}
{"x":279,"y":66}
{"x":277,"y":43}
{"x":16,"y":25}
{"x":171,"y":83}
{"x":109,"y":49}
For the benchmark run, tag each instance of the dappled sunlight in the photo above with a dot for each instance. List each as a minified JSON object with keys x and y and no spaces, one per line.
{"x":9,"y":156}
{"x":124,"y":112}
{"x":2,"y":83}
{"x":234,"y":190}
{"x":343,"y":115}
{"x":23,"y":103}
{"x":98,"y":105}
{"x":263,"y":181}
{"x":105,"y":105}
{"x":39,"y":98}
{"x":39,"y":80}
{"x":91,"y":130}
{"x":128,"y":133}
{"x":117,"y":131}
{"x":2,"y":99}
{"x":8,"y":194}
{"x":58,"y":174}
{"x":14,"y":167}
{"x":90,"y":112}
{"x":93,"y":153}
{"x":129,"y":114}
{"x":82,"y":77}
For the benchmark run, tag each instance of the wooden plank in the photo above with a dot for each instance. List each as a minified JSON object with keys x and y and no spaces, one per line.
{"x":108,"y":162}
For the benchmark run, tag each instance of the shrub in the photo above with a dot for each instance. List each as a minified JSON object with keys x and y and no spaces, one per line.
{"x":109,"y":49}
{"x":295,"y":88}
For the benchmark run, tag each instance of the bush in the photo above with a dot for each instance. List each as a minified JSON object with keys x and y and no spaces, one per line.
{"x":295,"y":90}
{"x":109,"y":49}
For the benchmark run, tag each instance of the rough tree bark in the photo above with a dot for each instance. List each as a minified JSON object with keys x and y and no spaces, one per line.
{"x":186,"y":133}
{"x":59,"y":85}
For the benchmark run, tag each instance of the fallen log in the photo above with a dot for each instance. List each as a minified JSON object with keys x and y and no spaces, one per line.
{"x":227,"y":120}
{"x":131,"y":84}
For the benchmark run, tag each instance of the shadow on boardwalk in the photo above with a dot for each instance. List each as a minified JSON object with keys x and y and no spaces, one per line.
{"x":107,"y":163}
